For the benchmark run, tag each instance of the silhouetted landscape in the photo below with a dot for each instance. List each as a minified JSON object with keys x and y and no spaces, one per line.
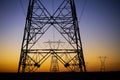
{"x":112,"y":75}
{"x":59,"y":35}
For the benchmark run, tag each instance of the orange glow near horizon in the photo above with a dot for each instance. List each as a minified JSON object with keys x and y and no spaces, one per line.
{"x":10,"y":52}
{"x":9,"y":63}
{"x":99,"y":30}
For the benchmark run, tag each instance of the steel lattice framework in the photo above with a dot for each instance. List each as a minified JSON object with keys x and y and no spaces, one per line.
{"x":38,"y":21}
{"x":102,"y":61}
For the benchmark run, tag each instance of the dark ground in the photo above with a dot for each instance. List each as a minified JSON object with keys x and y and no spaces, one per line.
{"x":61,"y":76}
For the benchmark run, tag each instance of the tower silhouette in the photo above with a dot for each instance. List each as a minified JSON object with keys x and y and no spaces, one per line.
{"x":54,"y":64}
{"x":38,"y":21}
{"x":102,"y":61}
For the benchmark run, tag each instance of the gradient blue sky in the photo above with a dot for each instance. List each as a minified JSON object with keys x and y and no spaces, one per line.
{"x":99,"y":28}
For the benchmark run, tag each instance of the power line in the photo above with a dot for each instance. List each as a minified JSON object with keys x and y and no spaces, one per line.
{"x":52,"y":26}
{"x":82,"y":11}
{"x":52,"y":6}
{"x":21,"y":4}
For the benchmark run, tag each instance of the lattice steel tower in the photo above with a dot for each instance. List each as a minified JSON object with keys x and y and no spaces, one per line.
{"x":102,"y":61}
{"x":38,"y":22}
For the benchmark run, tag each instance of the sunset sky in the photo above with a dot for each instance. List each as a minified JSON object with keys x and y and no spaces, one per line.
{"x":99,"y":28}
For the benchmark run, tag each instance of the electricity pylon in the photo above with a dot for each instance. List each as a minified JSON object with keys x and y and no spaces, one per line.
{"x":102,"y":61}
{"x":54,"y":64}
{"x":38,"y":22}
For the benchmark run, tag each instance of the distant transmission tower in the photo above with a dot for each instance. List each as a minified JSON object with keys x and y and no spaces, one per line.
{"x":54,"y":61}
{"x":38,"y":21}
{"x":54,"y":64}
{"x":102,"y":61}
